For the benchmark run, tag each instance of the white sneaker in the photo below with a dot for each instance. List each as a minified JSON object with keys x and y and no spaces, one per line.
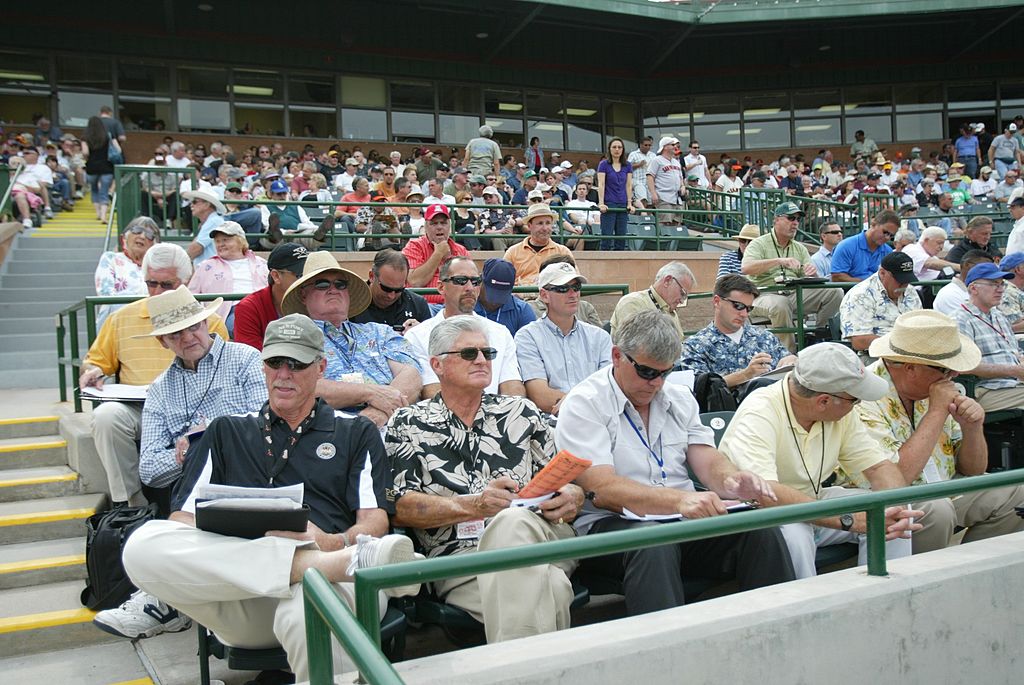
{"x":390,"y":549}
{"x":27,"y":223}
{"x":48,"y":212}
{"x":142,"y":615}
{"x":78,"y":195}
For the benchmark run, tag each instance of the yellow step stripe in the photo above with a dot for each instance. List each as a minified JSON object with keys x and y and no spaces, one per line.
{"x":137,"y":681}
{"x":34,"y":446}
{"x":38,"y":480}
{"x":39,"y":564}
{"x":47,"y":619}
{"x":45,"y":516}
{"x":29,"y":419}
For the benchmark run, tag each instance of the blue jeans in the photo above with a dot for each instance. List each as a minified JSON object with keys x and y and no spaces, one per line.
{"x":1003,"y":166}
{"x":614,"y":223}
{"x":99,"y":185}
{"x":970,"y":166}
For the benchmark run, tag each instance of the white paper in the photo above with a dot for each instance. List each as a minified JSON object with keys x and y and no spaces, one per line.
{"x":683,"y":378}
{"x":630,"y":516}
{"x":213,"y":491}
{"x":531,"y":501}
{"x":251,"y":504}
{"x":118,"y":392}
{"x":777,"y":373}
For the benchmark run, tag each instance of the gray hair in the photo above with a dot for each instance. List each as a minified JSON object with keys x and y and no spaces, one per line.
{"x":448,"y":331}
{"x":143,"y":222}
{"x":177,"y":145}
{"x":650,"y":333}
{"x":904,"y":234}
{"x":166,"y":256}
{"x":932,"y":232}
{"x":486,"y":131}
{"x":676,"y":270}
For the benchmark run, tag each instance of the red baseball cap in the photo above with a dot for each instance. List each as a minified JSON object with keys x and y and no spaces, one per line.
{"x":435,"y":209}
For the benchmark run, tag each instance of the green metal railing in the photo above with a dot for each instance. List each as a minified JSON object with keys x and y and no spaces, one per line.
{"x":6,"y":186}
{"x":133,"y":200}
{"x":329,"y":612}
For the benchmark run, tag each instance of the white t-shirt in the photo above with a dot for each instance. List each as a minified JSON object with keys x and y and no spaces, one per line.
{"x":701,"y":169}
{"x":916,"y":252}
{"x":950,"y":297}
{"x":729,"y":185}
{"x":505,"y":366}
{"x":343,"y":182}
{"x":175,"y":163}
{"x":241,"y":276}
{"x":35,"y":175}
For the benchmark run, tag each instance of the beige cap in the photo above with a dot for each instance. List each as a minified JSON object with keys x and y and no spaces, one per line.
{"x":833,"y":368}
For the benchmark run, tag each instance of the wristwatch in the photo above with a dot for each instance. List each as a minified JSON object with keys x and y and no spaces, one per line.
{"x":846,"y":521}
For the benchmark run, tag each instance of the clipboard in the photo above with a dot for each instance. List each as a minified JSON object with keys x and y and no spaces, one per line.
{"x":248,"y":523}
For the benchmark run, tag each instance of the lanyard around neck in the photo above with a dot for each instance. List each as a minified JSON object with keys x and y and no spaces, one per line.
{"x":658,"y":459}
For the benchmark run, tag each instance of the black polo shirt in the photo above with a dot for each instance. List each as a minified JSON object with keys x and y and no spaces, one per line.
{"x":408,"y":306}
{"x":340,"y":459}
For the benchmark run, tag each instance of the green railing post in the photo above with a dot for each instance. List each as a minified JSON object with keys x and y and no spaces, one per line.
{"x":61,"y":377}
{"x":368,"y":609}
{"x":75,"y":356}
{"x":799,"y":323}
{"x":876,"y":541}
{"x":318,"y":638}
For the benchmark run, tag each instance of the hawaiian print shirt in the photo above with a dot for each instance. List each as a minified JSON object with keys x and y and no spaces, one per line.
{"x":363,"y":349}
{"x":1012,"y":304}
{"x":117,"y":276}
{"x":710,"y":350}
{"x":867,"y":310}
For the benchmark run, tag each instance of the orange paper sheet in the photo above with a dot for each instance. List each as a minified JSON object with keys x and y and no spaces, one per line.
{"x":560,"y":471}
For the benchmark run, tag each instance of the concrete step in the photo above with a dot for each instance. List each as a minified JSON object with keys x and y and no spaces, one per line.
{"x":33,"y":324}
{"x":42,"y":341}
{"x":52,"y":276}
{"x":35,"y":359}
{"x":47,"y":519}
{"x":38,"y":482}
{"x":65,"y":266}
{"x":114,"y":663}
{"x":35,"y":563}
{"x":46,"y":617}
{"x":33,"y":307}
{"x":39,"y":377}
{"x":30,"y":427}
{"x":52,"y":251}
{"x":60,"y":295}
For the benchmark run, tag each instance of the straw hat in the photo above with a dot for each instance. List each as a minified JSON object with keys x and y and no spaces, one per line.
{"x":322,"y":262}
{"x":929,"y":337}
{"x":537,"y":210}
{"x":176,"y":310}
{"x":749,"y":232}
{"x":218,"y":206}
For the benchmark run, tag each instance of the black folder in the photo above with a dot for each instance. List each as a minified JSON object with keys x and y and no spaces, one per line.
{"x":248,"y":523}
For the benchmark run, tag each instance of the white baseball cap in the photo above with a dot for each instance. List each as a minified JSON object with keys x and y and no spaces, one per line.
{"x":834,"y":368}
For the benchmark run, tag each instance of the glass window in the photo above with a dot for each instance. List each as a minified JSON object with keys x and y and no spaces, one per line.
{"x":145,"y":113}
{"x":412,"y":94}
{"x":312,"y":122}
{"x":766,"y":106}
{"x":814,"y":103}
{"x":628,"y":135}
{"x":680,"y":132}
{"x":766,"y":134}
{"x":708,"y":108}
{"x":196,"y":81}
{"x":507,"y":132}
{"x":259,"y":119}
{"x":715,"y":137}
{"x":620,"y":112}
{"x":870,"y":100}
{"x":666,"y":112}
{"x":250,"y":83}
{"x":24,"y":109}
{"x":363,"y":92}
{"x":76,"y":108}
{"x":143,"y":78}
{"x":818,"y":132}
{"x":916,"y":97}
{"x":458,"y":129}
{"x":312,"y":89}
{"x":78,"y":71}
{"x":504,"y":103}
{"x":458,"y":98}
{"x":364,"y":124}
{"x":878,"y":128}
{"x":972,"y":95}
{"x":583,"y":107}
{"x":585,"y":137}
{"x":923,"y":126}
{"x":549,"y":132}
{"x":24,"y":70}
{"x":412,"y":124}
{"x":543,"y":105}
{"x":203,"y":115}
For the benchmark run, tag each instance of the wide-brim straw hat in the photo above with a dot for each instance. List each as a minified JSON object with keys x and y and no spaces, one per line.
{"x":537,"y":210}
{"x":205,"y":195}
{"x":316,"y":264}
{"x":749,"y":232}
{"x":176,"y":310}
{"x":927,"y":337}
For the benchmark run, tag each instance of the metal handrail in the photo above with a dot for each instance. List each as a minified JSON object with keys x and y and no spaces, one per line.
{"x":9,"y":191}
{"x":110,"y":221}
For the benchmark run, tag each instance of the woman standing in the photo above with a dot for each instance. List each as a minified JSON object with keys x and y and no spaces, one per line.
{"x":534,"y":155}
{"x":98,"y":169}
{"x":614,"y":191}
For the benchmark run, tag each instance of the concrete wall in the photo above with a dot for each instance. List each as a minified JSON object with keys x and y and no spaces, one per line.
{"x":953,"y":616}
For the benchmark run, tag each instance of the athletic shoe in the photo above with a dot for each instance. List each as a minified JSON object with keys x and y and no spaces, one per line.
{"x":142,"y":615}
{"x":390,"y":549}
{"x":27,"y":223}
{"x":78,"y":195}
{"x":48,"y":212}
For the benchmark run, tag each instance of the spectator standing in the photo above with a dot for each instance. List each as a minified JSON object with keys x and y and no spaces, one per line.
{"x":614,"y":191}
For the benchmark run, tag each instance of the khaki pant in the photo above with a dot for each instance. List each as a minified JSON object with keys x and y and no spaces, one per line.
{"x":780,"y":309}
{"x":237,"y":588}
{"x":523,"y":601}
{"x":994,"y":399}
{"x":985,"y":514}
{"x":668,"y":217}
{"x":116,"y":429}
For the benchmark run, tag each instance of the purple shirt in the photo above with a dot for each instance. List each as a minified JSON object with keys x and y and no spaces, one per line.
{"x":614,"y":182}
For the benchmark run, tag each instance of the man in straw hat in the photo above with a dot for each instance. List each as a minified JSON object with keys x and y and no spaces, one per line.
{"x":796,"y":433}
{"x":124,"y":350}
{"x":208,"y":209}
{"x":731,"y":262}
{"x":527,"y":255}
{"x":931,"y":431}
{"x":370,"y":368}
{"x":247,"y":591}
{"x":209,"y":377}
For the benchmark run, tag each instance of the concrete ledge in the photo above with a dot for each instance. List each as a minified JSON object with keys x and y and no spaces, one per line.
{"x":951,"y":616}
{"x":82,"y":454}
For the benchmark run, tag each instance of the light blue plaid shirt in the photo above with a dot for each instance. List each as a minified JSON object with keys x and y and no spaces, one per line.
{"x":228,"y":380}
{"x":994,"y":337}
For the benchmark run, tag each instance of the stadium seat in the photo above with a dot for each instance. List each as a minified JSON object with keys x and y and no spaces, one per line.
{"x":644,"y":229}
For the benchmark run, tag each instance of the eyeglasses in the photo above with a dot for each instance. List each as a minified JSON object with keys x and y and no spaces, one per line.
{"x":293,"y":365}
{"x":142,"y":230}
{"x":795,"y":218}
{"x":389,"y":289}
{"x":854,"y":401}
{"x":162,"y":285}
{"x":463,"y":280}
{"x":739,"y":306}
{"x":998,"y":285}
{"x":325,"y":284}
{"x":197,"y":201}
{"x":470,"y":353}
{"x":686,"y":295}
{"x":831,"y":232}
{"x":888,"y":234}
{"x":191,"y":329}
{"x":536,"y":199}
{"x":575,"y":286}
{"x":646,"y":372}
{"x":946,"y":373}
{"x":693,"y":147}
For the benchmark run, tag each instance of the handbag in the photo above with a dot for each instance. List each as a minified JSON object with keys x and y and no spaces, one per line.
{"x":114,"y":155}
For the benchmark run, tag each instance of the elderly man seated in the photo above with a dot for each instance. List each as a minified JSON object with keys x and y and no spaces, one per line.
{"x":458,"y":461}
{"x":428,"y":252}
{"x":670,"y":290}
{"x":370,"y":368}
{"x":248,"y":591}
{"x":954,"y":294}
{"x":729,"y":345}
{"x":934,"y":433}
{"x":869,"y":309}
{"x":1012,"y":302}
{"x":927,"y":265}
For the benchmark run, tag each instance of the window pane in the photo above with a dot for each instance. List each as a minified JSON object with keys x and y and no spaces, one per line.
{"x":628,"y":135}
{"x":84,"y":72}
{"x":620,"y":112}
{"x":878,"y":128}
{"x":680,"y":132}
{"x":458,"y":129}
{"x":412,"y":94}
{"x":544,"y":105}
{"x":145,"y":113}
{"x":505,"y":103}
{"x":196,"y":81}
{"x":143,"y":78}
{"x":814,"y":103}
{"x":716,"y":137}
{"x":312,"y":122}
{"x":457,"y":98}
{"x":666,"y":112}
{"x":313,"y":89}
{"x":24,"y":109}
{"x":259,"y":119}
{"x":203,"y":115}
{"x":817,"y":132}
{"x":412,"y":124}
{"x":925,"y":126}
{"x":549,"y":132}
{"x":76,"y":108}
{"x":507,"y":132}
{"x":871,"y":100}
{"x":364,"y":124}
{"x":585,"y":137}
{"x":766,"y":134}
{"x":582,"y":107}
{"x":768,"y":105}
{"x":363,"y":92}
{"x":913,"y":98}
{"x":972,"y":95}
{"x":709,"y":108}
{"x":24,"y":70}
{"x":250,"y":84}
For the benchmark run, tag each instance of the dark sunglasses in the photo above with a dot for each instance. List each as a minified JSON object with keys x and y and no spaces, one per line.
{"x":326,"y":284}
{"x":142,"y":230}
{"x":888,"y":234}
{"x":389,"y":289}
{"x":832,"y":232}
{"x":463,"y":280}
{"x":646,"y":372}
{"x":277,"y":362}
{"x":470,"y":353}
{"x":739,"y":306}
{"x":163,"y":285}
{"x":563,"y":289}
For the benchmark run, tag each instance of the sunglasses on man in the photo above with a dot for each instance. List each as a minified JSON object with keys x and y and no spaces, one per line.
{"x":276,"y":363}
{"x":646,"y":372}
{"x":325,"y":284}
{"x":470,"y":353}
{"x":463,"y":280}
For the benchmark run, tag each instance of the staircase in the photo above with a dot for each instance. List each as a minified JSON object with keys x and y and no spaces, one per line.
{"x":49,"y":269}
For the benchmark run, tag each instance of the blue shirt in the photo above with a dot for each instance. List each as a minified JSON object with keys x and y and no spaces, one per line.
{"x":364,"y":348}
{"x":709,"y":350}
{"x":513,"y":315}
{"x":563,"y":361}
{"x":822,"y":261}
{"x":204,"y":239}
{"x":853,"y":257}
{"x":730,"y":262}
